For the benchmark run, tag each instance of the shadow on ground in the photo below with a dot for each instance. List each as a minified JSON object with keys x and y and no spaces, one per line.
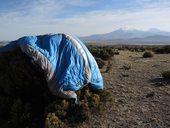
{"x":157,"y":82}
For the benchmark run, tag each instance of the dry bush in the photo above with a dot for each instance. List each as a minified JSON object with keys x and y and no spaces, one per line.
{"x":91,"y":102}
{"x":100,"y":62}
{"x":166,"y":74}
{"x":126,"y":66}
{"x":25,"y":100}
{"x":148,"y":54}
{"x":116,"y":52}
{"x":105,"y":53}
{"x":162,"y":50}
{"x":109,"y":66}
{"x":52,"y":121}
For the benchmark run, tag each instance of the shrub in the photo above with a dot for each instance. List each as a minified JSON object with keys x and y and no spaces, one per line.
{"x":25,"y":100}
{"x":148,"y":54}
{"x":20,"y":114}
{"x":166,"y":74}
{"x":105,"y":53}
{"x":52,"y":121}
{"x":24,"y":92}
{"x":126,"y":66}
{"x":159,"y":51}
{"x":90,"y":103}
{"x":116,"y":52}
{"x":100,"y":62}
{"x":109,"y":66}
{"x":166,"y":49}
{"x":162,"y":50}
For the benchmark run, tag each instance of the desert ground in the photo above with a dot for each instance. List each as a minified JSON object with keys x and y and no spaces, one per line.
{"x":141,"y":97}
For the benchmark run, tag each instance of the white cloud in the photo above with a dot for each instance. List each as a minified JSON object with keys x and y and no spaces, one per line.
{"x":101,"y":22}
{"x":41,"y":18}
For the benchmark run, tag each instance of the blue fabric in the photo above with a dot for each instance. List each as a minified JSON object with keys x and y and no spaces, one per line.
{"x":67,"y":62}
{"x":96,"y":80}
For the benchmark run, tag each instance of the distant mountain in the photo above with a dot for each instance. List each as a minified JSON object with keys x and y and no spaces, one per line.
{"x":121,"y":35}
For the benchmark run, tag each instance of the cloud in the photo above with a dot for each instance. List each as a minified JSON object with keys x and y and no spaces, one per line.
{"x":44,"y":16}
{"x":45,"y":8}
{"x":105,"y":21}
{"x":153,"y":3}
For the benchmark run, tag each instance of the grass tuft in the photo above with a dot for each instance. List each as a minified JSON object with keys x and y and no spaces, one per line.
{"x":166,"y":74}
{"x":148,"y":54}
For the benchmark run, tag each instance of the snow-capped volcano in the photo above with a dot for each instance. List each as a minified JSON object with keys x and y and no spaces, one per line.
{"x":131,"y":35}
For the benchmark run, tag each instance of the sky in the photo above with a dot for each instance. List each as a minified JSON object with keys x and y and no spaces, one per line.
{"x":80,"y":17}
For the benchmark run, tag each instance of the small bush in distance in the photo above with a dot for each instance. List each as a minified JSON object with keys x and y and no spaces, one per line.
{"x":162,"y":50}
{"x":166,"y":74}
{"x":100,"y":62}
{"x":109,"y":66}
{"x":148,"y":54}
{"x":126,"y":66}
{"x":105,"y":53}
{"x":116,"y":51}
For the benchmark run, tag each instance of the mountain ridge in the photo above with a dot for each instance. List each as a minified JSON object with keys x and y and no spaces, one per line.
{"x":130,"y":35}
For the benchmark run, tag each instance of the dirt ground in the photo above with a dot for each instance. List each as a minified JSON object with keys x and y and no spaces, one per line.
{"x":141,"y":95}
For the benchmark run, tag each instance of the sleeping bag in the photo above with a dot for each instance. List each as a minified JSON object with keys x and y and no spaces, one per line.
{"x":67,"y":63}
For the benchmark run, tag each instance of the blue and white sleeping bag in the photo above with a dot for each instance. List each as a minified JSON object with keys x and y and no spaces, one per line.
{"x":67,"y":63}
